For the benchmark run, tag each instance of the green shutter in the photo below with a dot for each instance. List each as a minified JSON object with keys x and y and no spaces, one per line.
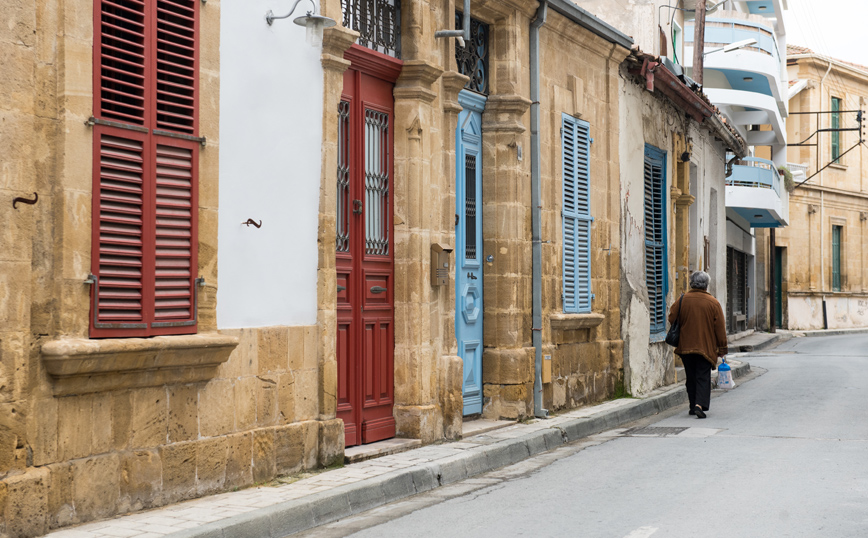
{"x":576,"y":163}
{"x":655,"y":237}
{"x":836,"y":258}
{"x":836,"y":124}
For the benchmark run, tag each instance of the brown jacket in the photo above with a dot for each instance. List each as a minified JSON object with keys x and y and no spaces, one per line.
{"x":703,"y":331}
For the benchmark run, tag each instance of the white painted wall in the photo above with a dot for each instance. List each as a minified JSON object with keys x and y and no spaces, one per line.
{"x":641,"y":120}
{"x":271,"y":87}
{"x":645,"y":118}
{"x":806,"y":312}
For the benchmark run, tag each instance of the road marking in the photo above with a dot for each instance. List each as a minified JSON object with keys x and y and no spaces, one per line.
{"x":642,"y":532}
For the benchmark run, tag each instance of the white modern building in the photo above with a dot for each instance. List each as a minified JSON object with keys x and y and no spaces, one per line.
{"x":745,"y":76}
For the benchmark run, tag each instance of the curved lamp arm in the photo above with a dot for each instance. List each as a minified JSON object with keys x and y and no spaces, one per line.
{"x":270,"y":17}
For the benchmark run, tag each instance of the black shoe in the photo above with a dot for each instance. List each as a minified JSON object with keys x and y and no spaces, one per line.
{"x":692,"y":411}
{"x":698,"y":412}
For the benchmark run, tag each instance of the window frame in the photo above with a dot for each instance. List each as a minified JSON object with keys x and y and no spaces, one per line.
{"x":655,"y":156}
{"x":576,"y":297}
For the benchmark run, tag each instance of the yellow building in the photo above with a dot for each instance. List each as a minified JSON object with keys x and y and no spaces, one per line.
{"x":822,"y":252}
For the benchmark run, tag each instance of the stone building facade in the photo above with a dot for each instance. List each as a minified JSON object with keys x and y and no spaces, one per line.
{"x":690,"y":142}
{"x":579,"y":74}
{"x":822,"y":253}
{"x":670,"y":127}
{"x":93,"y":425}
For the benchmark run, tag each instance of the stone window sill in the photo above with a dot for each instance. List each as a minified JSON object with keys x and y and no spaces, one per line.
{"x":81,"y":365}
{"x":838,"y":166}
{"x":572,"y":322}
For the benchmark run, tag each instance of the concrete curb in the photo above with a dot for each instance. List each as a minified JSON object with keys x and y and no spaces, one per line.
{"x":828,"y":332}
{"x":773,"y":340}
{"x":325,"y":507}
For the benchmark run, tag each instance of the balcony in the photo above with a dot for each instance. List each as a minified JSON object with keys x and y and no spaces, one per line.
{"x":747,"y":84}
{"x":755,"y":192}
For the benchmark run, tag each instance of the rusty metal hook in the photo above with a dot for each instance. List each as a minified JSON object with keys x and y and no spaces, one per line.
{"x":253,"y":222}
{"x":25,"y":200}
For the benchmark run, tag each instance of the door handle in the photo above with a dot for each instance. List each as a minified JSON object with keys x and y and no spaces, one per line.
{"x":357,"y":207}
{"x":341,"y":288}
{"x":377,"y":289}
{"x":471,"y":276}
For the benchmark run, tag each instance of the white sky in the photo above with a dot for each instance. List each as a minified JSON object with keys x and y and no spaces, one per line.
{"x":836,"y":28}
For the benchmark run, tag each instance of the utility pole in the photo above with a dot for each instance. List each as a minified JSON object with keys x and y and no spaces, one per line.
{"x":698,"y":41}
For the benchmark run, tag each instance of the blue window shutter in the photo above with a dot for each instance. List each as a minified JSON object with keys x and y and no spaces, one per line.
{"x":576,"y":214}
{"x":655,"y":237}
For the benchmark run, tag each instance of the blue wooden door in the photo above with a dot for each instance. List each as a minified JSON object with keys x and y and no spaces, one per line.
{"x":468,"y":246}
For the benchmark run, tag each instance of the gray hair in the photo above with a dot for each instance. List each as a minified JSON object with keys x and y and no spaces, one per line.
{"x":699,"y":280}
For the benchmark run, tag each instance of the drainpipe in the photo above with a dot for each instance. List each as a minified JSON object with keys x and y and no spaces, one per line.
{"x":536,"y":227}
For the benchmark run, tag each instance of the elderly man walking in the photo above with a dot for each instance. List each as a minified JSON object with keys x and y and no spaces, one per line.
{"x":703,"y":339}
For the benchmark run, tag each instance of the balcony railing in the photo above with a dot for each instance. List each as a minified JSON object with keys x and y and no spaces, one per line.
{"x":796,"y":168}
{"x":755,"y":172}
{"x":721,"y":32}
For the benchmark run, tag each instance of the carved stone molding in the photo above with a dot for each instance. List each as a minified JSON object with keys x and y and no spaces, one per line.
{"x":453,"y":82}
{"x":685,"y":200}
{"x":503,"y":113}
{"x":572,"y":322}
{"x":336,"y":41}
{"x":415,"y":81}
{"x":81,"y":365}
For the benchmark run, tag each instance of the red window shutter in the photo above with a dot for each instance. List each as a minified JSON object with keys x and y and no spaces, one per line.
{"x":175,"y":231}
{"x":121,"y":72}
{"x":145,"y":238}
{"x":119,"y":209}
{"x":177,"y":69}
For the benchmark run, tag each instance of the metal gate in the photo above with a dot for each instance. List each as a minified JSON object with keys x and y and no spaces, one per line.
{"x":736,"y":290}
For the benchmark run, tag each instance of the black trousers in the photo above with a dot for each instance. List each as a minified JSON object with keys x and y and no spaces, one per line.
{"x":697,"y":369}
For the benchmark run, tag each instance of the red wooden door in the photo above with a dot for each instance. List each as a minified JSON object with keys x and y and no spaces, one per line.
{"x":364,"y":258}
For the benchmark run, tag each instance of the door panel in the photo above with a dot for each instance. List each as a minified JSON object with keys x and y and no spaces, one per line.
{"x":364,"y":259}
{"x":468,"y":247}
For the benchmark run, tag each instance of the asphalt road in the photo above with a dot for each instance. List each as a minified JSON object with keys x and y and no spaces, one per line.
{"x":783,"y":454}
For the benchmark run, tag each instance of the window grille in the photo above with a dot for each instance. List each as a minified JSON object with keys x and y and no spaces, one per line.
{"x":470,"y":206}
{"x":342,"y":243}
{"x":472,"y":58}
{"x":378,"y":23}
{"x":655,"y":240}
{"x":376,"y":182}
{"x":576,"y":162}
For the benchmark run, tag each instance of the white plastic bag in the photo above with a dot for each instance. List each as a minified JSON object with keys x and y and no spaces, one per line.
{"x":724,"y":377}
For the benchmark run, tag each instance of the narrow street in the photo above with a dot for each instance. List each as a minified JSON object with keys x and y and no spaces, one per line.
{"x":781,"y":455}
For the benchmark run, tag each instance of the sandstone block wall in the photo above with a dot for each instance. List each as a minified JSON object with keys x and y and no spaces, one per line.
{"x":837,"y":196}
{"x":93,"y":443}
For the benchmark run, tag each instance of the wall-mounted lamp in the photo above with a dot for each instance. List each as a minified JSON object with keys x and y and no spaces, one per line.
{"x":313,"y":21}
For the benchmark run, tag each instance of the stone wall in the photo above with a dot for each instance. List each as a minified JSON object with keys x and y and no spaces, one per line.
{"x":91,"y":428}
{"x":695,"y":211}
{"x":580,"y":77}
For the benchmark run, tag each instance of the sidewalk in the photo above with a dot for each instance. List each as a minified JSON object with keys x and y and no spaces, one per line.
{"x":756,"y":341}
{"x":277,"y":511}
